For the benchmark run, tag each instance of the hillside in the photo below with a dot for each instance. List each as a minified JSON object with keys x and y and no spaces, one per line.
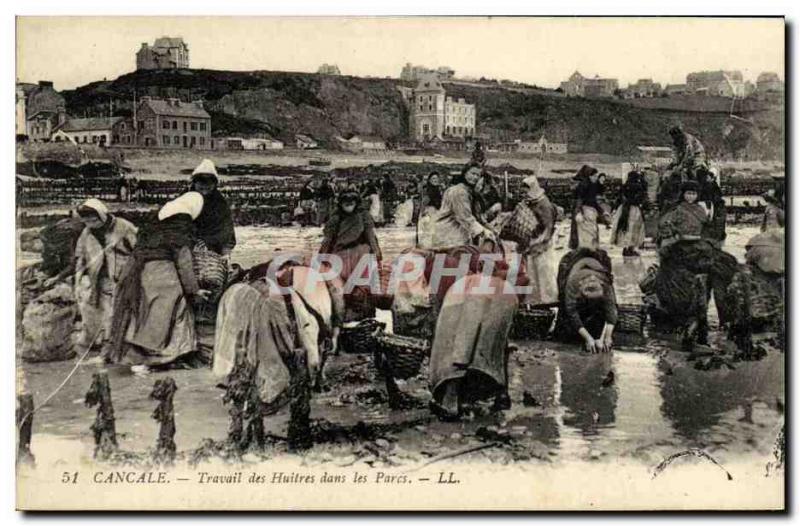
{"x":283,"y":103}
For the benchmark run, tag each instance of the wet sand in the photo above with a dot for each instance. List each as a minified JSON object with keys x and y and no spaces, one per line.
{"x":657,"y":405}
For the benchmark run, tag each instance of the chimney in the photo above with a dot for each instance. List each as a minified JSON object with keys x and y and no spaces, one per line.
{"x":144,"y":45}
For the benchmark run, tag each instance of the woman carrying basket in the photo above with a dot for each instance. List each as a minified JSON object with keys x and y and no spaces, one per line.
{"x":538,"y":249}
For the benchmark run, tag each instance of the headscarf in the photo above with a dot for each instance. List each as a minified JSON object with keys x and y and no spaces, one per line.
{"x":690,"y":186}
{"x":535,"y":192}
{"x":97,"y":206}
{"x":206,"y":168}
{"x":190,"y":203}
{"x":584,"y":173}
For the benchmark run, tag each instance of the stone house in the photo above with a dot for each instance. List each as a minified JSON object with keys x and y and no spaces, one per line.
{"x":103,"y":131}
{"x":165,"y":53}
{"x":433,"y":115}
{"x":171,"y":123}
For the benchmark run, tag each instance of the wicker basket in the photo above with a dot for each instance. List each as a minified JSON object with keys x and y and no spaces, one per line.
{"x":520,"y":226}
{"x":210,"y":268}
{"x":631,"y":318}
{"x":403,"y":355}
{"x":361,"y":338}
{"x":532,"y":323}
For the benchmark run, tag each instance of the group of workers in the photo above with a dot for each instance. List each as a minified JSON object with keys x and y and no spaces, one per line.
{"x":136,"y":288}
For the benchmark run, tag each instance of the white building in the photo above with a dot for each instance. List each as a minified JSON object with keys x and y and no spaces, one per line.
{"x":541,"y":146}
{"x":103,"y":131}
{"x":433,"y":115}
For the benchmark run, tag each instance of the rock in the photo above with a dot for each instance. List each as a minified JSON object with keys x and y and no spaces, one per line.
{"x":47,"y":324}
{"x":383,"y":443}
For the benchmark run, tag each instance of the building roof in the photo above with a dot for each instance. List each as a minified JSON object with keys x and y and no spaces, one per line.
{"x":768,"y":76}
{"x":169,"y":42}
{"x":429,"y":83}
{"x":90,"y":124}
{"x":175,"y":108}
{"x":304,"y":137}
{"x":43,"y":113}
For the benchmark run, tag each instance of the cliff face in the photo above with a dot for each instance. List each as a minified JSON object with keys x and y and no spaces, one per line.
{"x":282,"y":104}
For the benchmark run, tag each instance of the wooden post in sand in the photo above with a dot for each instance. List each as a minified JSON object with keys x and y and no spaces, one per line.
{"x":24,"y":428}
{"x":104,"y":429}
{"x":164,"y":391}
{"x":247,"y":420}
{"x":299,"y":431}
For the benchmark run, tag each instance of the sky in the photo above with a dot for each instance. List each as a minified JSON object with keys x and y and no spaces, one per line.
{"x":73,"y":51}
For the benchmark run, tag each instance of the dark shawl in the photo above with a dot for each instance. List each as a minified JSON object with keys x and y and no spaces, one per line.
{"x":214,"y":225}
{"x":344,"y":231}
{"x":632,"y":193}
{"x":159,"y":240}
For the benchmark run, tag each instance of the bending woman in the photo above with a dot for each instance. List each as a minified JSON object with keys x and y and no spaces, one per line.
{"x":587,"y":303}
{"x":153,"y":322}
{"x":469,"y":360}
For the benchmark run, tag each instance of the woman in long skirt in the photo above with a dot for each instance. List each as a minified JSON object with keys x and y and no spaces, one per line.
{"x":101,"y":254}
{"x":153,"y":321}
{"x":584,"y":231}
{"x":628,"y":225}
{"x":350,"y":235}
{"x":540,"y":265}
{"x":469,"y":360}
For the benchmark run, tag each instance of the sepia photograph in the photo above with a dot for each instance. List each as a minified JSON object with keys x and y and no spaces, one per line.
{"x":400,"y":263}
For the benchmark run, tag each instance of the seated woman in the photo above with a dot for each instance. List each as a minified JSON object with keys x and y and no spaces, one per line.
{"x":153,"y":321}
{"x":101,"y":253}
{"x":350,"y":235}
{"x":587,"y":308}
{"x":469,"y":358}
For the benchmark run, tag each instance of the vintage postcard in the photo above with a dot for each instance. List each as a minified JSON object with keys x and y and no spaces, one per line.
{"x":451,"y":263}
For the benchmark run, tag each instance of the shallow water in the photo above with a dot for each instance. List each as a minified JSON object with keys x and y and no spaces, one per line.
{"x":657,"y":404}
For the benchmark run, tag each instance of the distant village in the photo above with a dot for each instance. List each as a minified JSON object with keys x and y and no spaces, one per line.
{"x":435,"y":119}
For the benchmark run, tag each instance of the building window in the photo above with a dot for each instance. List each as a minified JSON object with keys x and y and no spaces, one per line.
{"x":165,"y":139}
{"x":176,"y":139}
{"x":202,"y":140}
{"x":184,"y":126}
{"x":202,"y":127}
{"x":194,"y":126}
{"x":165,"y":125}
{"x":193,"y":141}
{"x":174,"y":125}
